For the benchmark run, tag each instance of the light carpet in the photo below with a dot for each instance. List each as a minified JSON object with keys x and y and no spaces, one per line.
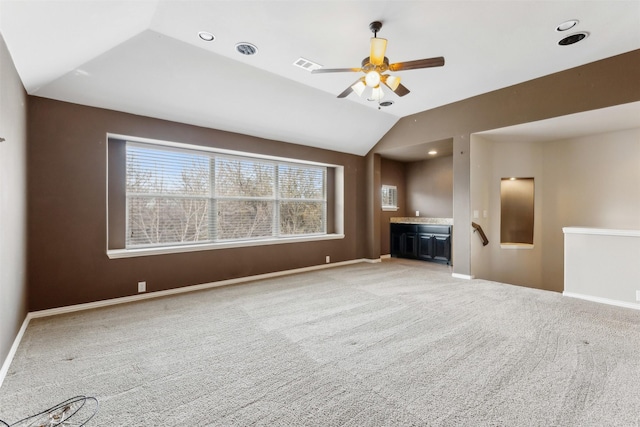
{"x":398,"y":343}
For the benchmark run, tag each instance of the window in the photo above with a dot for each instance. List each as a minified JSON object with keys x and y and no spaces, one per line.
{"x":179,"y":196}
{"x":389,"y":198}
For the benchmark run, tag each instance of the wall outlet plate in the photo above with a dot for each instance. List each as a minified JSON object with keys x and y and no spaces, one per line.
{"x":328,"y":259}
{"x":638,"y":296}
{"x":142,"y":286}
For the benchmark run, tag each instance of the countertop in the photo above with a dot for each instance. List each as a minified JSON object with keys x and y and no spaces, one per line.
{"x":421,"y":220}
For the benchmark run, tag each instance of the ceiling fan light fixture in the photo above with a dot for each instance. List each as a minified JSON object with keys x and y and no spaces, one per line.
{"x":393,"y":82}
{"x":359,"y":87}
{"x":372,"y":79}
{"x":377,"y":94}
{"x":378,"y":48}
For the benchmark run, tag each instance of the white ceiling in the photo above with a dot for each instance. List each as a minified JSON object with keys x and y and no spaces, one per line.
{"x":144,"y":57}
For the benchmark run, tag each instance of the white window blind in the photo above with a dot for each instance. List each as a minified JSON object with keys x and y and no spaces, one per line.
{"x":389,"y":197}
{"x":179,"y":196}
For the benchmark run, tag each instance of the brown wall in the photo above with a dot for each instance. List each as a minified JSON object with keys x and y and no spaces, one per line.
{"x":430,"y":187}
{"x":67,"y":221}
{"x":601,"y":84}
{"x":391,"y":173}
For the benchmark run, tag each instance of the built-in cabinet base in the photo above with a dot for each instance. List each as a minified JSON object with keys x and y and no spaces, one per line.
{"x":424,"y":242}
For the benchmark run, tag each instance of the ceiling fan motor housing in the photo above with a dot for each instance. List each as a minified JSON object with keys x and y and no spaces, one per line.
{"x":368,"y":66}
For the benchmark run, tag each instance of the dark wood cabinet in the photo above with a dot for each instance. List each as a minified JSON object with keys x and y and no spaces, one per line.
{"x":404,"y":241}
{"x":420,"y":241}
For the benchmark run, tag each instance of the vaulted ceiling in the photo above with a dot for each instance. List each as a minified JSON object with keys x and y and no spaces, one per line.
{"x":145,"y":57}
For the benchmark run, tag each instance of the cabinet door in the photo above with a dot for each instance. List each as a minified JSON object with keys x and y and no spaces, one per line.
{"x":442,"y":247}
{"x":410,"y":245}
{"x":396,"y":244}
{"x":425,"y":246}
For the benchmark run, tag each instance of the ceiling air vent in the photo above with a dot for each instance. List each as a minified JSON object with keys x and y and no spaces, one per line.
{"x":305,"y":64}
{"x":246,"y":49}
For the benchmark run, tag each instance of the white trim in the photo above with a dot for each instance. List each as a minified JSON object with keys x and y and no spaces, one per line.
{"x":390,"y":208}
{"x":516,"y":246}
{"x":385,"y":256}
{"x":14,"y":348}
{"x":601,"y":300}
{"x":162,"y":250}
{"x":371,"y":260}
{"x":462,"y":276}
{"x":600,"y":231}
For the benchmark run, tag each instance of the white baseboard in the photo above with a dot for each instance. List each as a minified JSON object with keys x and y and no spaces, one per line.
{"x":462,"y":276}
{"x":603,"y":300}
{"x":12,"y":351}
{"x":149,"y":295}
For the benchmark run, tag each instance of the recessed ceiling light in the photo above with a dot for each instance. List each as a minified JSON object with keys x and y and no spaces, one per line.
{"x":432,"y":152}
{"x":573,"y":38}
{"x":206,"y":36}
{"x":246,"y":48}
{"x":567,"y":25}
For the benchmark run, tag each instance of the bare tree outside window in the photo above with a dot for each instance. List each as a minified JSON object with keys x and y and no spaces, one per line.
{"x":302,"y":195}
{"x":182,"y":196}
{"x":167,"y":203}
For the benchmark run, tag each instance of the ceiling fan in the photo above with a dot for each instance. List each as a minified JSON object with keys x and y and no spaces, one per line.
{"x":375,"y":65}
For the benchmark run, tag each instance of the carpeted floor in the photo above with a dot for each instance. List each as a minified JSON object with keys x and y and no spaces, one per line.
{"x":398,"y":343}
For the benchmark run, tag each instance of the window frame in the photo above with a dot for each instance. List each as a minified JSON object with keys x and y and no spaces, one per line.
{"x":336,"y":204}
{"x":393,"y":190}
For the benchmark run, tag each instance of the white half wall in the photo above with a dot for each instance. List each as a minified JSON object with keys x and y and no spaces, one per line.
{"x":602,"y":265}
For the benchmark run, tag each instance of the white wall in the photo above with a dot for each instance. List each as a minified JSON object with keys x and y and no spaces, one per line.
{"x":13,"y":181}
{"x":591,"y":181}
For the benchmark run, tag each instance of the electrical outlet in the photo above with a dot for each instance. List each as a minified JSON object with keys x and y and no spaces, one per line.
{"x":417,"y":213}
{"x":142,"y":286}
{"x":328,"y":259}
{"x":638,"y":296}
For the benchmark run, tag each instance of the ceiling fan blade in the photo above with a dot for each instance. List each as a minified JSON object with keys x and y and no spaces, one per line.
{"x":401,"y":90}
{"x":348,"y":90}
{"x":419,"y":63}
{"x":335,"y":70}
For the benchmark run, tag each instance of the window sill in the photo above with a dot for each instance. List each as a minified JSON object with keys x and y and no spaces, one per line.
{"x":389,"y":209}
{"x":131,"y":253}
